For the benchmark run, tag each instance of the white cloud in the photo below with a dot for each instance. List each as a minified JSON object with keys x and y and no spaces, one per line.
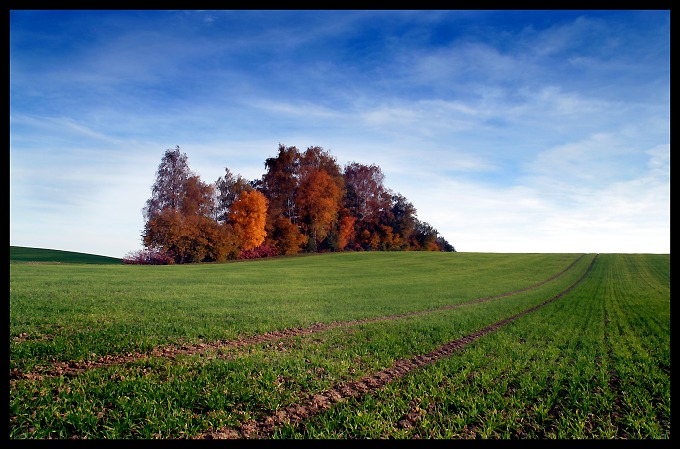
{"x":619,"y":216}
{"x":507,"y":135}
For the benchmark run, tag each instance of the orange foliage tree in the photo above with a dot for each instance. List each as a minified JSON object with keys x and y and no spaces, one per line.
{"x":346,"y":231}
{"x":177,"y":235}
{"x":319,"y":200}
{"x":284,"y":235}
{"x":248,"y":215}
{"x":321,"y":189}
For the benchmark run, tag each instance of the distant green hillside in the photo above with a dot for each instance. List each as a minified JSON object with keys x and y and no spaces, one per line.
{"x":23,"y":254}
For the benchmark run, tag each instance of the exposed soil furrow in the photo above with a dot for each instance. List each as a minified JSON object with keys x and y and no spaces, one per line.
{"x":316,"y":403}
{"x":411,"y":418}
{"x":72,"y":368}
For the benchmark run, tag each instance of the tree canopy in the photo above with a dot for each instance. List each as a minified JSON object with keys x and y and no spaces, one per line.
{"x":303,"y":202}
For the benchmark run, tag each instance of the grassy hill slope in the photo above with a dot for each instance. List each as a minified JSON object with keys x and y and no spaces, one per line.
{"x":24,"y":254}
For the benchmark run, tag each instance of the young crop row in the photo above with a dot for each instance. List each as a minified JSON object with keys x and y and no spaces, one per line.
{"x":545,"y":362}
{"x":78,"y":312}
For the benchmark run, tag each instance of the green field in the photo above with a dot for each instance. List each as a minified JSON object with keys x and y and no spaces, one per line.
{"x":344,"y":345}
{"x":41,"y":255}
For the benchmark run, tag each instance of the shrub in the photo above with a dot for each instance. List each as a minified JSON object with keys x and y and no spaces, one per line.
{"x":148,"y":256}
{"x":258,"y":252}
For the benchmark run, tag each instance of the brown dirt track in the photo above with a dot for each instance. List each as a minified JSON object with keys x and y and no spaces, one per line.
{"x":72,"y":368}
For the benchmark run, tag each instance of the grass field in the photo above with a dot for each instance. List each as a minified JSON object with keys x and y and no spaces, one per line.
{"x":346,"y":345}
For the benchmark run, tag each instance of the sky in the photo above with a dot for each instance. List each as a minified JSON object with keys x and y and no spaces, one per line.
{"x":509,"y":131}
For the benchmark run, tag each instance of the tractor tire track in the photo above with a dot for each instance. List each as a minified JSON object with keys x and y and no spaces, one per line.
{"x":73,"y":368}
{"x":317,"y":403}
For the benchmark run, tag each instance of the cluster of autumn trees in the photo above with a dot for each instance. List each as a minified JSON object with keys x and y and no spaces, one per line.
{"x":305,"y":202}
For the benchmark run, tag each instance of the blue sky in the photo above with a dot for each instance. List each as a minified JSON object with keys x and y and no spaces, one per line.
{"x":509,"y":131}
